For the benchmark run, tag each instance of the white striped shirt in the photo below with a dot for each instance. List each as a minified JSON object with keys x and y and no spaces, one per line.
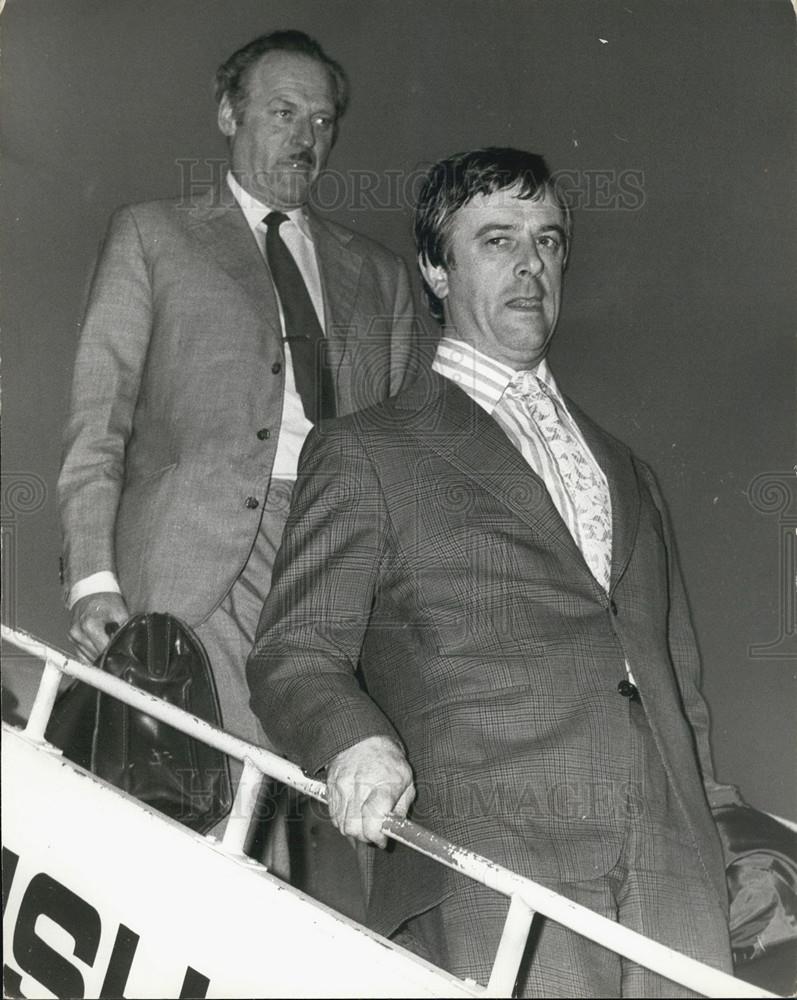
{"x":486,"y":380}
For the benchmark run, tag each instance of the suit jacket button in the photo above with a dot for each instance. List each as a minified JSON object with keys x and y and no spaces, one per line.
{"x":252,"y":503}
{"x":276,"y":368}
{"x":613,"y":607}
{"x":264,"y":434}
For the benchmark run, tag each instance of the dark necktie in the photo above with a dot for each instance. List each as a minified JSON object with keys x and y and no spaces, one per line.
{"x":302,"y":329}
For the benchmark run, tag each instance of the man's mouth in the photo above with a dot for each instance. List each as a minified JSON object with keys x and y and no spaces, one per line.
{"x":300,"y":161}
{"x":526,"y":303}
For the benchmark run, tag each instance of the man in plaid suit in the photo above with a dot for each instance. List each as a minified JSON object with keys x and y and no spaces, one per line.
{"x":477,"y":612}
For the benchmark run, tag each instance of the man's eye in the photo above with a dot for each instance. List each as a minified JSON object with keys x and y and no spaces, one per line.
{"x":497,"y":241}
{"x":549,"y":242}
{"x":323,"y":121}
{"x":282,"y":112}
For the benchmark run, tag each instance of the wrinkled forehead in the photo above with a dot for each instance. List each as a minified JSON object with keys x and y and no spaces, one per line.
{"x":277,"y":73}
{"x":510,"y":206}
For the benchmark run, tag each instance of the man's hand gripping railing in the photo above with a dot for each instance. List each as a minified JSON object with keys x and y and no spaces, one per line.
{"x":526,"y":897}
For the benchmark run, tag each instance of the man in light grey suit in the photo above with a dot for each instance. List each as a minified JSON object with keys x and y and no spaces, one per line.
{"x":187,"y":412}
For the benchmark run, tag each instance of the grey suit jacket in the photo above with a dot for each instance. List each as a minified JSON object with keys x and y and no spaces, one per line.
{"x":422,"y":547}
{"x":178,"y":387}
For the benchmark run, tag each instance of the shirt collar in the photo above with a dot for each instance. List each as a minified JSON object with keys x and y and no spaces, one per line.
{"x":482,"y":377}
{"x":255,"y":211}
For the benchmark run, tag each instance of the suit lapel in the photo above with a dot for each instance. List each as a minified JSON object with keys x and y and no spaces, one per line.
{"x":218,"y":223}
{"x":462,"y":433}
{"x":616,"y":461}
{"x":339,"y":267}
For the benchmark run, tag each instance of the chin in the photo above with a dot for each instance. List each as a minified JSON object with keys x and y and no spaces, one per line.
{"x":293,"y":195}
{"x":532,"y":339}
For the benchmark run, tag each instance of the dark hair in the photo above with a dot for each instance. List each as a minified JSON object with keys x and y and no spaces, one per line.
{"x":233,"y":75}
{"x":452,"y":183}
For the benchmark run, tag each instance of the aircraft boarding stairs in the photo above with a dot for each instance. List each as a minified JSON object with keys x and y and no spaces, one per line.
{"x":104,"y":897}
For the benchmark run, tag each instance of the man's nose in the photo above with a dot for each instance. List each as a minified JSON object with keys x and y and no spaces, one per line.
{"x":303,"y":133}
{"x":529,"y":263}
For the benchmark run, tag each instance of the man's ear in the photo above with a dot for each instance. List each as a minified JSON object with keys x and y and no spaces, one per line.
{"x":226,"y":117}
{"x":436,"y":277}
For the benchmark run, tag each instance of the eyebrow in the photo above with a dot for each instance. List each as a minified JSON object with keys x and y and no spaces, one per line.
{"x":511,"y":227}
{"x":285,"y":99}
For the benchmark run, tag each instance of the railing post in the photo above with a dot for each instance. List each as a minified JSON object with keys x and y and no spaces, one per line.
{"x":244,"y":803}
{"x":510,"y":948}
{"x":527,"y":897}
{"x":43,"y":702}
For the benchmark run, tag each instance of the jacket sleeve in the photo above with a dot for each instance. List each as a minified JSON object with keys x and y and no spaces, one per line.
{"x":686,"y":659}
{"x":302,"y":670}
{"x":111,"y":354}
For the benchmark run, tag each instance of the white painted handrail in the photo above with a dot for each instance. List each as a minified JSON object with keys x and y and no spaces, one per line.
{"x":525,"y":895}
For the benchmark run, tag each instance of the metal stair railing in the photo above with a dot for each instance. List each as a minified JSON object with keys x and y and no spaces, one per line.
{"x":526,"y":897}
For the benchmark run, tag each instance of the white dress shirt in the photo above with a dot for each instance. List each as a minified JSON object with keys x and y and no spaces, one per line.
{"x":296,"y":235}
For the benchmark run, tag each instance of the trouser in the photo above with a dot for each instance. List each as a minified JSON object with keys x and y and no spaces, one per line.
{"x":228,"y":636}
{"x":658,"y":887}
{"x":291,"y":837}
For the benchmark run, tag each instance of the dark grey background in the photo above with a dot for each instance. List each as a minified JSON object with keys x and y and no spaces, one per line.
{"x":679,"y":305}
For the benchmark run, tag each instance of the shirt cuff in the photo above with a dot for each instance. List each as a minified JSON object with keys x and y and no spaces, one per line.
{"x":104,"y":582}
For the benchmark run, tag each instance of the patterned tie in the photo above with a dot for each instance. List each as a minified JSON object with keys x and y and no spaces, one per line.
{"x":583,"y":500}
{"x":303,"y":332}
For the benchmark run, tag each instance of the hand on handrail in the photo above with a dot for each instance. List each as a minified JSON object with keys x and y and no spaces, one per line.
{"x":364,"y":784}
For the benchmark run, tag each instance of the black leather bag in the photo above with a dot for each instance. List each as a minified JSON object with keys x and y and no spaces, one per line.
{"x":148,"y":759}
{"x":761,"y":866}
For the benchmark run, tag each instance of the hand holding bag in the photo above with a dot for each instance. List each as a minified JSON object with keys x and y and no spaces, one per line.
{"x":148,"y":759}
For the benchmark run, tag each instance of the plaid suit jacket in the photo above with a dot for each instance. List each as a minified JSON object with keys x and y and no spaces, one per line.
{"x":423,"y":552}
{"x":178,"y":388}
